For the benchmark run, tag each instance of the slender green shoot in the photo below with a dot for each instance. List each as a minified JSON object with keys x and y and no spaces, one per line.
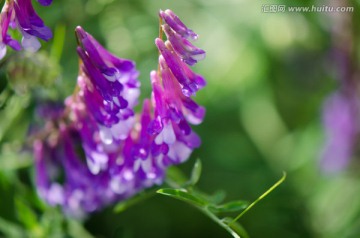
{"x":261,"y":197}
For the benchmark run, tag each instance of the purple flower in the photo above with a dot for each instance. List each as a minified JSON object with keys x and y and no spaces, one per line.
{"x":75,"y":170}
{"x":108,"y":87}
{"x":177,"y":25}
{"x":139,"y":151}
{"x":189,"y":81}
{"x":98,"y":151}
{"x":178,"y":35}
{"x":171,"y":138}
{"x":110,"y":173}
{"x":341,"y":117}
{"x":45,"y":2}
{"x":64,"y":180}
{"x":50,"y":110}
{"x":20,"y":14}
{"x":184,"y":48}
{"x":178,"y":52}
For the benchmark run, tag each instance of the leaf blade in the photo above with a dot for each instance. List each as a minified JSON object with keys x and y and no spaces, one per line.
{"x":195,"y":173}
{"x":233,"y":206}
{"x":183,"y":195}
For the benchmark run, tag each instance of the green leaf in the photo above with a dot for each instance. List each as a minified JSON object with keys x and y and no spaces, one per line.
{"x":77,"y":230}
{"x":52,"y":223}
{"x":13,"y":119}
{"x":235,"y":226}
{"x":5,"y":95}
{"x":25,"y":214}
{"x":217,"y":197}
{"x":11,"y":230}
{"x":13,"y":158}
{"x":183,"y":195}
{"x":195,"y":173}
{"x":199,"y":203}
{"x":175,"y":178}
{"x":233,"y":206}
{"x":221,"y":223}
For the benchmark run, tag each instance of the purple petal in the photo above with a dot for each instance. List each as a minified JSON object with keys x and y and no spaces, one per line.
{"x":12,"y":43}
{"x":113,"y":68}
{"x":177,"y":25}
{"x":107,"y":88}
{"x":29,"y":21}
{"x":184,"y":48}
{"x":5,"y":20}
{"x":188,"y":87}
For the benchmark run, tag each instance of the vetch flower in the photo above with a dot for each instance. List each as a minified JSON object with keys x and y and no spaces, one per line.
{"x":45,"y":2}
{"x":178,"y":52}
{"x":172,"y":139}
{"x":21,"y":15}
{"x":64,"y":180}
{"x":177,"y":25}
{"x":183,"y":47}
{"x":109,"y":87}
{"x":64,"y":176}
{"x":178,"y":35}
{"x":138,"y":148}
{"x":97,"y":150}
{"x":189,"y":81}
{"x":96,"y":153}
{"x":341,"y":117}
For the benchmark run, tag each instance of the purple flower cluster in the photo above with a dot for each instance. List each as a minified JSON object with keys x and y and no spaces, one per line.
{"x":341,"y":120}
{"x":98,"y":151}
{"x":20,"y":15}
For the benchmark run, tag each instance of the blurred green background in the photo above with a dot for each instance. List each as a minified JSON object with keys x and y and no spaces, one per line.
{"x":267,"y":74}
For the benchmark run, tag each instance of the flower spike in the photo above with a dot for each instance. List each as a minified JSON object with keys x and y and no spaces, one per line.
{"x":178,"y":52}
{"x":170,"y":135}
{"x":105,"y":151}
{"x":109,"y":87}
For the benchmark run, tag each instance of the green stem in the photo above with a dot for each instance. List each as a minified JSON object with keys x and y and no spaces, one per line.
{"x":58,"y":42}
{"x":261,"y":197}
{"x":135,"y":200}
